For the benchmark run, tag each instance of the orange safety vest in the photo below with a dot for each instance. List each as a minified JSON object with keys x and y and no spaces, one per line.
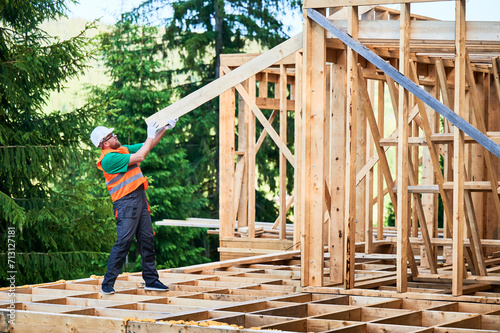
{"x":123,"y":183}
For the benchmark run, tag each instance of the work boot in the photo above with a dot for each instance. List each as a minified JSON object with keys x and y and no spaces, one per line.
{"x":107,"y":289}
{"x":157,"y":285}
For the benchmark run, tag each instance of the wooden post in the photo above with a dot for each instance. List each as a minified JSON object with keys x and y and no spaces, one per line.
{"x":327,"y":202}
{"x":314,"y":113}
{"x":363,"y":185}
{"x":251,"y":162}
{"x":493,"y":110}
{"x":282,"y":160}
{"x":226,"y":157}
{"x":299,"y":153}
{"x":380,"y":174}
{"x":368,"y":196}
{"x":402,"y":216}
{"x":458,"y":152}
{"x":351,"y":132}
{"x":337,"y":166}
{"x":414,"y":158}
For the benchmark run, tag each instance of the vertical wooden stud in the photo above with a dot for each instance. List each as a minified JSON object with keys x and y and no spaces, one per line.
{"x":458,"y":152}
{"x":226,"y":157}
{"x":402,"y":218}
{"x":380,"y":174}
{"x":351,"y":133}
{"x":299,"y":152}
{"x":368,"y":193}
{"x":314,"y":113}
{"x":282,"y":159}
{"x":251,"y":162}
{"x":337,"y":166}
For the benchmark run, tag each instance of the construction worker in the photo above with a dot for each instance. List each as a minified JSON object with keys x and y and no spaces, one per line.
{"x":126,"y":185}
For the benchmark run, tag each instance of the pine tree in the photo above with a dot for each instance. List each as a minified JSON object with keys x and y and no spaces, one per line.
{"x":60,"y":228}
{"x":200,"y":31}
{"x":132,"y":55}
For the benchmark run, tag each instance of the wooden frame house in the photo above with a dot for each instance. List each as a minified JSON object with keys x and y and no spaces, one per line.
{"x":388,"y":107}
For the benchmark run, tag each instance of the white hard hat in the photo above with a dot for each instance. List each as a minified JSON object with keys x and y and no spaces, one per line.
{"x":99,"y":133}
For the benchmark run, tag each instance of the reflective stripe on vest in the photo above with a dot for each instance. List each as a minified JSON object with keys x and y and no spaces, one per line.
{"x":125,"y":183}
{"x":121,"y":174}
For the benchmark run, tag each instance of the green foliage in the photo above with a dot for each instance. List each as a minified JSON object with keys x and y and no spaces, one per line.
{"x":200,"y":31}
{"x":133,"y":59}
{"x":390,"y":216}
{"x":41,"y":158}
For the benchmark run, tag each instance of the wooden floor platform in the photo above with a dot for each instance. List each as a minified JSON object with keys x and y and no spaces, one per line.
{"x":261,"y":292}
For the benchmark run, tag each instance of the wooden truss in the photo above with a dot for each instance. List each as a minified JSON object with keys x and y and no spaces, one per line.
{"x":387,"y":105}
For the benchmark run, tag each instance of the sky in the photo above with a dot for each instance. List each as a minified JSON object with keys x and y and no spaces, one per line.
{"x":477,"y":10}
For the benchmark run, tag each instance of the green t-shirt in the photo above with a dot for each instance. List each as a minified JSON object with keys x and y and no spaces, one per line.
{"x":116,"y":162}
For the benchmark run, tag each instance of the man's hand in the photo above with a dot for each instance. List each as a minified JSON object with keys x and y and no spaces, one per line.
{"x":152,"y":128}
{"x":171,"y":123}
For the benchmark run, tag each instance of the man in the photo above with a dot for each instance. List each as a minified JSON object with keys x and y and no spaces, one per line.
{"x":126,"y":185}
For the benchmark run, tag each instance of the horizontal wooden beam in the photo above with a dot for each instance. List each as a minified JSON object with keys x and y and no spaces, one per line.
{"x":342,"y":3}
{"x":447,"y":241}
{"x":235,"y":262}
{"x":217,"y":87}
{"x":408,"y":84}
{"x":429,"y":31}
{"x":475,"y":186}
{"x":439,"y":138}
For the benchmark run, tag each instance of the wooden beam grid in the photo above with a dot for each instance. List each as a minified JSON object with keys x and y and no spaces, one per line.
{"x":262,"y":292}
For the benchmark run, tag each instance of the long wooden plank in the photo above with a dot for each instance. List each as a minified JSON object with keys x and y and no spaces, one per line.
{"x":406,"y":83}
{"x":314,"y":95}
{"x":282,"y":158}
{"x":428,"y":31}
{"x":337,"y":166}
{"x":263,"y":120}
{"x":243,"y":116}
{"x":402,"y":210}
{"x":458,"y":153}
{"x":380,"y":175}
{"x":351,"y":133}
{"x":368,"y":195}
{"x":226,"y":158}
{"x":338,"y":3}
{"x":299,"y":171}
{"x":251,"y":152}
{"x":217,"y":87}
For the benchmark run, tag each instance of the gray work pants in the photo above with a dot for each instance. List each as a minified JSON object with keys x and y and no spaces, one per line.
{"x":132,"y":218}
